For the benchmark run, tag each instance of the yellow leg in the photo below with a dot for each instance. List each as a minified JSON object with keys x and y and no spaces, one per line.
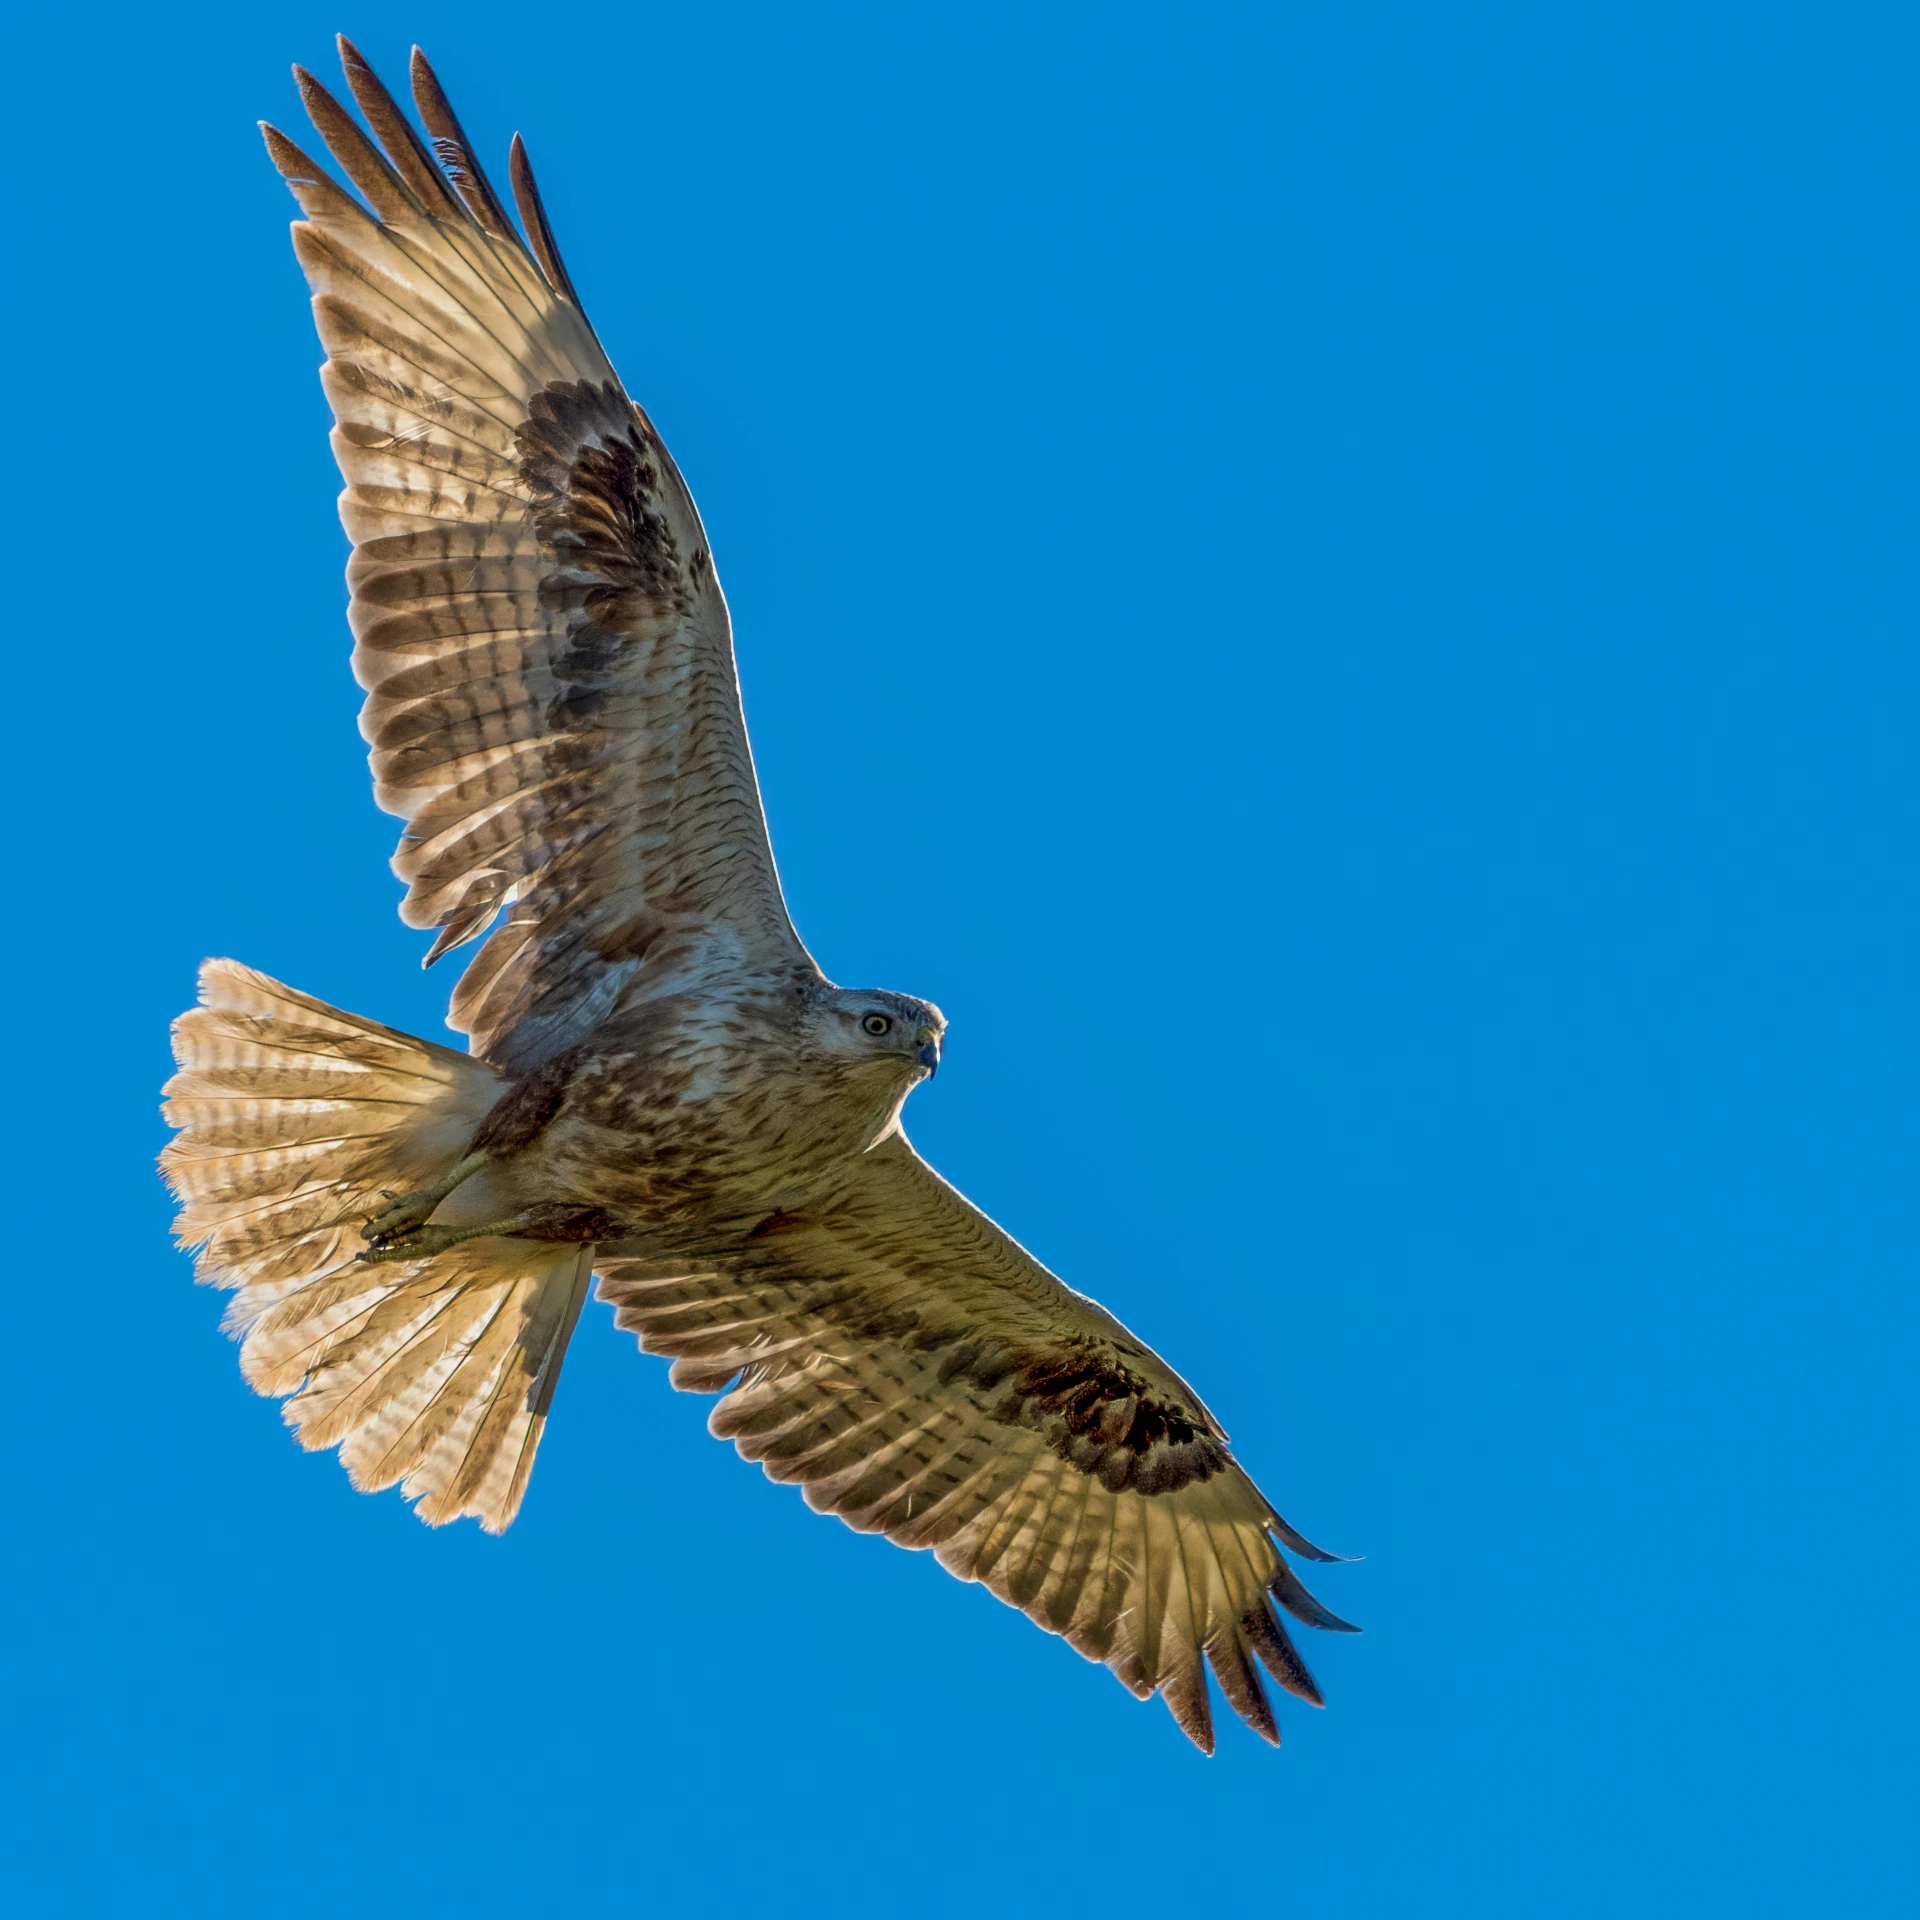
{"x":422,"y":1243}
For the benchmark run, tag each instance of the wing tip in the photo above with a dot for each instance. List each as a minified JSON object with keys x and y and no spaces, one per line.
{"x":534,"y":221}
{"x":1227,"y":1653}
{"x":455,"y":151}
{"x":1277,"y":1653}
{"x":1297,"y":1542}
{"x":1290,"y":1590}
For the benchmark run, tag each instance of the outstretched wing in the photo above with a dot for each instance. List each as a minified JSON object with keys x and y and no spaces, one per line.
{"x":920,"y":1374}
{"x":551,"y":698}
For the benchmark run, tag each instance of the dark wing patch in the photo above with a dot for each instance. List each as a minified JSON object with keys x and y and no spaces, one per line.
{"x":1098,"y":1414}
{"x":595,"y":489}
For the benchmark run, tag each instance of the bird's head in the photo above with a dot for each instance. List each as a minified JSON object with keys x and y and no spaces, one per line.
{"x":868,"y":1025}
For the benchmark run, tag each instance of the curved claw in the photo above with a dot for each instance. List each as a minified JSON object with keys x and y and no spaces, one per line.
{"x":416,"y":1243}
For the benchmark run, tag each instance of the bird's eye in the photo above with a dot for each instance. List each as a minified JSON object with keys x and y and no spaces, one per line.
{"x":877,"y":1024}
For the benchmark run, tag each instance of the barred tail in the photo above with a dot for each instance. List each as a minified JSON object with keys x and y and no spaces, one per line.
{"x":293,"y":1119}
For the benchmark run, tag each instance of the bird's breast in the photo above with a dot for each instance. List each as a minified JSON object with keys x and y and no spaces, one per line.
{"x":664,"y":1134}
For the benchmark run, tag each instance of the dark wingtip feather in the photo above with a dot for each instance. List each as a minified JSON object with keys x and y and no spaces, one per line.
{"x":1287,"y":1588}
{"x":1304,"y":1547}
{"x":533,"y":217}
{"x":289,"y":159}
{"x":310,"y":183}
{"x":362,"y":162}
{"x":1240,"y":1682}
{"x":456,"y":151}
{"x":407,"y":151}
{"x":1279,"y":1655}
{"x":1185,"y":1693}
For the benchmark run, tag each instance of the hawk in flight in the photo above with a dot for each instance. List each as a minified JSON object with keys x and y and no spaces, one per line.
{"x":663,"y":1089}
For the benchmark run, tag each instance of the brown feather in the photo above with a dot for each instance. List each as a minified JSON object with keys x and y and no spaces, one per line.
{"x":406,"y":151}
{"x":456,"y":151}
{"x":533,"y":217}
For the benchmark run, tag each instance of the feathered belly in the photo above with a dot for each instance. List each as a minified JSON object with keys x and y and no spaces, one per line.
{"x":671,"y":1162}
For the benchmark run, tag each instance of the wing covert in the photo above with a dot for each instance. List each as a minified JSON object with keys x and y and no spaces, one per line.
{"x":919,"y":1374}
{"x":552,"y":705}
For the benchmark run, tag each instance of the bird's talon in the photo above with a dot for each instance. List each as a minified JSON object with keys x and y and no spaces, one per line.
{"x":391,"y":1246}
{"x":402,"y":1213}
{"x":422,"y":1242}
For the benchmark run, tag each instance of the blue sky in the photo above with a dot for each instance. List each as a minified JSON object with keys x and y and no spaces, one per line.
{"x":1337,"y":585}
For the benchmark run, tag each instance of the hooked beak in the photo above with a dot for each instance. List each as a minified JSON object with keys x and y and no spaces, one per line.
{"x":929,"y":1054}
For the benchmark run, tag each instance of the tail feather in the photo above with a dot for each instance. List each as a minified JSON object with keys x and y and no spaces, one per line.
{"x":294,"y":1119}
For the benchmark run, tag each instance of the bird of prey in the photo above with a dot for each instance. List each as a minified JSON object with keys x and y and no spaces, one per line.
{"x":663,"y":1089}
